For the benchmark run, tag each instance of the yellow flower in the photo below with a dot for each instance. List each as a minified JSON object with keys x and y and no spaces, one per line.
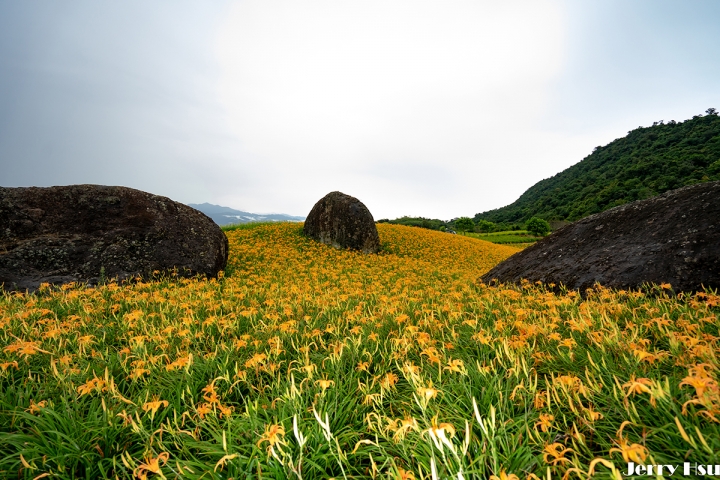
{"x":154,"y":406}
{"x":324,"y":383}
{"x":138,"y":373}
{"x":362,"y":366}
{"x":309,"y":369}
{"x":273,"y":436}
{"x":555,"y":453}
{"x":210,"y":395}
{"x":405,"y":474}
{"x":640,"y":385}
{"x":203,"y":409}
{"x":225,"y":411}
{"x":630,"y":453}
{"x":6,"y":365}
{"x":427,"y":393}
{"x":504,"y":476}
{"x":388,"y":381}
{"x":92,"y":385}
{"x":36,"y":407}
{"x":432,"y":354}
{"x":545,"y":422}
{"x":700,"y":380}
{"x":540,"y":399}
{"x":181,"y":362}
{"x":438,"y":435}
{"x":151,"y":465}
{"x":256,"y":360}
{"x":456,"y":365}
{"x":593,"y":415}
{"x":25,"y":348}
{"x":406,"y":424}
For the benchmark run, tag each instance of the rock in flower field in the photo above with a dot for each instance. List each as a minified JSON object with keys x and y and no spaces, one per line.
{"x":84,"y":233}
{"x":342,"y":221}
{"x":671,"y":238}
{"x":304,"y":361}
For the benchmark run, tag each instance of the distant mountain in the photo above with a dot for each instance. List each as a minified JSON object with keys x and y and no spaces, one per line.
{"x":647,"y":162}
{"x":227,"y":216}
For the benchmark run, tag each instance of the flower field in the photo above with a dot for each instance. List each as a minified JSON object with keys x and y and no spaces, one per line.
{"x":304,"y":361}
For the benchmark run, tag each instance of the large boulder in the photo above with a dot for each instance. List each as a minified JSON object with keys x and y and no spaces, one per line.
{"x":343,"y":222}
{"x":79,"y":233}
{"x":672,"y":238}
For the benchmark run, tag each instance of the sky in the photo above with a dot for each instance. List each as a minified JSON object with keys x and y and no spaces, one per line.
{"x":438,"y":109}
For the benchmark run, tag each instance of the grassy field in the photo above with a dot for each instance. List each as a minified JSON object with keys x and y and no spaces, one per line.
{"x":304,"y":361}
{"x":508,"y":237}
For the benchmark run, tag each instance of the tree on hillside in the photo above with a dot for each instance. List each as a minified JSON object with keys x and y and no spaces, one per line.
{"x":464,"y":224}
{"x":484,"y":226}
{"x":538,"y":226}
{"x":422,"y":222}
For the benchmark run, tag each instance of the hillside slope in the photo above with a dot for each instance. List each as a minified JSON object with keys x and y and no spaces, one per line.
{"x":647,"y":162}
{"x":306,"y":359}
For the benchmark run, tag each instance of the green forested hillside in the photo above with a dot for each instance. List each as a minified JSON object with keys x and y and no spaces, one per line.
{"x":645,"y":163}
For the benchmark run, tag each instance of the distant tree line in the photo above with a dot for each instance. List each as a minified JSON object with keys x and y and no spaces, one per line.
{"x":536,"y":226}
{"x":422,"y":222}
{"x":647,"y":162}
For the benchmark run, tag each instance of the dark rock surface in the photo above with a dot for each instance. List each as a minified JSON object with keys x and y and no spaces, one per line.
{"x":672,"y":238}
{"x":343,"y":222}
{"x":71,"y":233}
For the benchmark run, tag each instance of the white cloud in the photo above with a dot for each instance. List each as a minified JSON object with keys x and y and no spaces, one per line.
{"x":440,"y":108}
{"x":410,"y":106}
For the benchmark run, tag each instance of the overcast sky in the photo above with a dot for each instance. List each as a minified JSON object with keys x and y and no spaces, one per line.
{"x":436,"y":109}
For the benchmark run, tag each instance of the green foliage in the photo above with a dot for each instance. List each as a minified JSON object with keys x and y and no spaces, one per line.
{"x":512,"y":237}
{"x":647,"y":162}
{"x":538,"y":226}
{"x":484,"y":226}
{"x":422,"y":222}
{"x":464,"y":224}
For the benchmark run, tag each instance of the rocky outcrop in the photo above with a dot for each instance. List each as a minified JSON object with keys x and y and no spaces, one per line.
{"x":79,"y":233}
{"x":343,"y":222}
{"x":672,"y":238}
